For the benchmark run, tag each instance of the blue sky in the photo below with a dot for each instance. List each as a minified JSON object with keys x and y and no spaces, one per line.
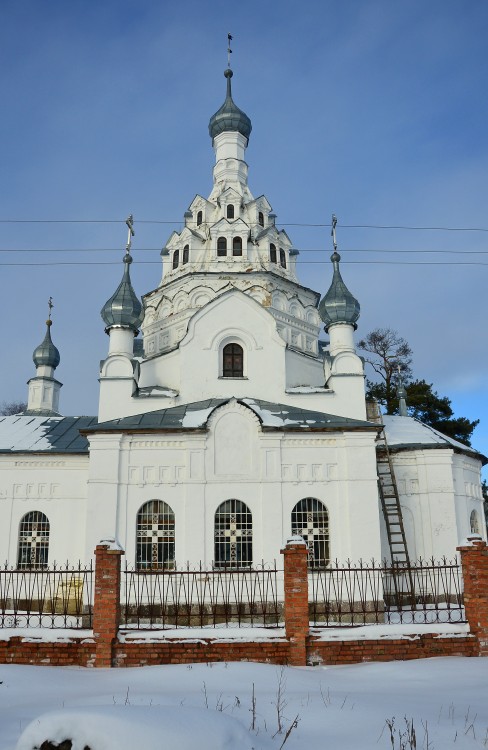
{"x":376,"y":111}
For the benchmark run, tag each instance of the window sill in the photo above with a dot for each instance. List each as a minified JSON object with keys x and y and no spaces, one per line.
{"x":233,"y":377}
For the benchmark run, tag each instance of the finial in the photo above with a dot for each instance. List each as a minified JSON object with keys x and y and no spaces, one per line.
{"x":333,"y":232}
{"x":130,"y":234}
{"x":229,"y":51}
{"x":50,"y":306}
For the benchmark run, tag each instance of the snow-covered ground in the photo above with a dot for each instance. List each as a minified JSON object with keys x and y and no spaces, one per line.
{"x":210,"y":706}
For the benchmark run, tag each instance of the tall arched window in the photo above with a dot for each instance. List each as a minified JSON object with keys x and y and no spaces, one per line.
{"x":232,"y":361}
{"x":474,"y":523}
{"x":261,"y":218}
{"x":237,"y":246}
{"x":230,"y":211}
{"x":176,"y":258}
{"x":186,"y":254}
{"x":272,"y":253}
{"x":309,"y":519}
{"x":199,"y":218}
{"x":155,"y":536}
{"x":221,"y":247}
{"x":233,"y":535}
{"x":33,"y":540}
{"x":282,"y":258}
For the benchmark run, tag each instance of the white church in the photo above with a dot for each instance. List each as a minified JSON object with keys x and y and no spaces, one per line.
{"x":231,"y":425}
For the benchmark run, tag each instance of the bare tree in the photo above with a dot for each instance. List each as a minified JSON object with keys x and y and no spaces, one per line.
{"x":389,"y":355}
{"x":7,"y":408}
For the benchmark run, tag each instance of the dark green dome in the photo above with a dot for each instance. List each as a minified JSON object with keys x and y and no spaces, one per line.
{"x":46,"y":353}
{"x":123,"y":309}
{"x":229,"y":116}
{"x":338,"y":305}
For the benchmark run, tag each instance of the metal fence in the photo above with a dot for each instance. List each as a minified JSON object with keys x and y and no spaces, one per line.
{"x":199,"y":598}
{"x":50,"y":597}
{"x":377,"y":593}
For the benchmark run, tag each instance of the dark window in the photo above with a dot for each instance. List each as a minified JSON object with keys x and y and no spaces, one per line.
{"x":199,"y":218}
{"x":176,"y":258}
{"x":233,"y":535}
{"x":237,"y":246}
{"x":186,"y":253}
{"x":261,"y":218}
{"x":282,"y":258}
{"x":221,"y":247}
{"x":155,"y":536}
{"x":233,"y":361}
{"x":230,"y":211}
{"x":33,"y":540}
{"x":272,"y":253}
{"x":309,"y":519}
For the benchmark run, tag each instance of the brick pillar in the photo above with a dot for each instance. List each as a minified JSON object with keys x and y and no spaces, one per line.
{"x":296,"y":599}
{"x":474,"y":561}
{"x":106,"y":609}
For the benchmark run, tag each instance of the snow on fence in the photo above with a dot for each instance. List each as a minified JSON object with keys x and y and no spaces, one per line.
{"x":47,"y":597}
{"x":362,"y":593}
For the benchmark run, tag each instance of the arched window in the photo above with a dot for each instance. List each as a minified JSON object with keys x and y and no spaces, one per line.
{"x":233,"y":535}
{"x":237,"y":246}
{"x":232,"y":361}
{"x":261,"y":218}
{"x":230,"y":211}
{"x":186,"y":254}
{"x":176,"y":258}
{"x":155,"y":536}
{"x":199,"y":218}
{"x":282,"y":258}
{"x":272,"y":253}
{"x":474,"y":523}
{"x":309,"y":519}
{"x":33,"y":540}
{"x":221,"y":247}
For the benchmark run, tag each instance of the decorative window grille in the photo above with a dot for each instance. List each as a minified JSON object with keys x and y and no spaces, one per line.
{"x":282,"y":258}
{"x":272,"y":253}
{"x":33,"y":540}
{"x":474,"y":522}
{"x":199,"y":218}
{"x":233,"y":535}
{"x":237,"y":246}
{"x":261,"y":218}
{"x":176,"y":258}
{"x":309,"y":519}
{"x":155,"y":547}
{"x":232,"y":361}
{"x":221,"y":247}
{"x":186,"y":253}
{"x":230,"y":211}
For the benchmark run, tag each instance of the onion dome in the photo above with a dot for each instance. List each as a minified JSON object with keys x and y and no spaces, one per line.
{"x":229,"y":116}
{"x":46,"y":353}
{"x":338,"y":305}
{"x":123,"y":309}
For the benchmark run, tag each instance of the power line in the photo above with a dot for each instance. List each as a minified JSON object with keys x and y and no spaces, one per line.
{"x":325,"y":251}
{"x":222,"y":263}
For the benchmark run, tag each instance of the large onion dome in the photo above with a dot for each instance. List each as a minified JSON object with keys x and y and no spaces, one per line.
{"x":123,"y":309}
{"x":46,"y":353}
{"x":338,"y":305}
{"x":229,"y":116}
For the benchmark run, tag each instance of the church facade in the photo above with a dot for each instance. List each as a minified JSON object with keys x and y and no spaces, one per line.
{"x":233,"y":426}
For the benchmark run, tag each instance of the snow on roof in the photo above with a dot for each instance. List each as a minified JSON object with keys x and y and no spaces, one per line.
{"x":410,"y":432}
{"x":43,"y":434}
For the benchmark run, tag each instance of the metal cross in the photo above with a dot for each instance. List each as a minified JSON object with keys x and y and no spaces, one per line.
{"x":50,"y":305}
{"x":130,"y":225}
{"x":229,"y":51}
{"x":333,"y":231}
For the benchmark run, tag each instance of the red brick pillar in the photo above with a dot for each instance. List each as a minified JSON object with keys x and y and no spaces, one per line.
{"x":474,"y":561}
{"x":106,"y":609}
{"x":296,"y":599}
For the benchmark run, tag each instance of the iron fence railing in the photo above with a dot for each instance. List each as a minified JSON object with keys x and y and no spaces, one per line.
{"x":361,"y":593}
{"x":200,"y":597}
{"x":50,"y":597}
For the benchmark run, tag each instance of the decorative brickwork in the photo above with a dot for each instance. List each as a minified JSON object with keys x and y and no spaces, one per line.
{"x":106,"y":610}
{"x":474,"y":560}
{"x":296,"y":599}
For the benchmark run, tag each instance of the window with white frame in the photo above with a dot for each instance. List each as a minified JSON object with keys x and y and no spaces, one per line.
{"x":33,"y":540}
{"x":155,"y":536}
{"x":474,"y":523}
{"x":310,"y":520}
{"x":233,"y":535}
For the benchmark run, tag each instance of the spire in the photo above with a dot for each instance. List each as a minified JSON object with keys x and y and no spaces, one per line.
{"x":124,"y":309}
{"x":402,"y":395}
{"x":338,"y":305}
{"x":229,"y":117}
{"x":46,"y":354}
